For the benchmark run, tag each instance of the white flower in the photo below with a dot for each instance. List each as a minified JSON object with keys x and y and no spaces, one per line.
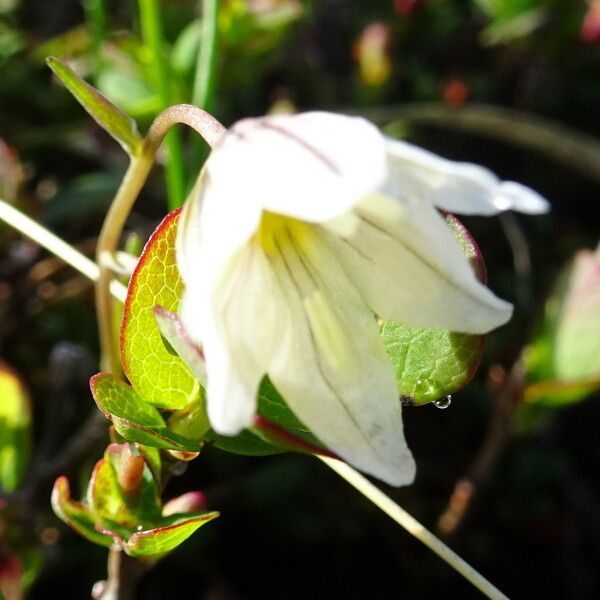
{"x":301,"y":232}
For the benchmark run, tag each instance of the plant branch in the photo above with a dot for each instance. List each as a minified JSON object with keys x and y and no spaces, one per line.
{"x":499,"y":433}
{"x":515,"y":236}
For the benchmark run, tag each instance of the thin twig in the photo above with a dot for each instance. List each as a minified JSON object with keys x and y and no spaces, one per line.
{"x":497,"y":436}
{"x":521,"y":258}
{"x":57,"y":246}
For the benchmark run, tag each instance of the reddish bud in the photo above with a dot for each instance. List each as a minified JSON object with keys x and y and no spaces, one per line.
{"x":371,"y":51}
{"x":11,"y":575}
{"x":590,"y":28}
{"x":183,"y":455}
{"x":130,"y":472}
{"x":455,"y":92}
{"x":187,"y":503}
{"x":406,"y":7}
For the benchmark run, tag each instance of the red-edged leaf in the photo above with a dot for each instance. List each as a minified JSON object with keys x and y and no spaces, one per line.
{"x":155,"y":371}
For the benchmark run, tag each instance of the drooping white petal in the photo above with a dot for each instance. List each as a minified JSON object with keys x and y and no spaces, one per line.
{"x":240,"y":321}
{"x":454,"y":186}
{"x":210,"y":232}
{"x":312,"y":166}
{"x":332,"y":368}
{"x":410,"y":268}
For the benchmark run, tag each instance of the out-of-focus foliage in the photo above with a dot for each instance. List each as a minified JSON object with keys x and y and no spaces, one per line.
{"x":563,"y":362}
{"x":15,"y":429}
{"x":107,"y":115}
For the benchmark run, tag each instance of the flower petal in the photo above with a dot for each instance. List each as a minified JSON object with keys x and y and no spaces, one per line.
{"x":454,"y":186}
{"x":411,"y":269}
{"x":239,"y":322}
{"x":209,"y":233}
{"x":332,"y":368}
{"x":312,"y":166}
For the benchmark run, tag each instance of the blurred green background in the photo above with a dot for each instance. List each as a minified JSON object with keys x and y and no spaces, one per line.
{"x":511,"y":84}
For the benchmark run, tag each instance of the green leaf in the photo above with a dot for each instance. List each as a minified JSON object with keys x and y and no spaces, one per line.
{"x":75,"y":514}
{"x":261,"y":440}
{"x":246,"y":444}
{"x":135,"y":419}
{"x":152,"y":456}
{"x":433,"y":363}
{"x":170,"y":532}
{"x":272,"y":406}
{"x":155,"y":371}
{"x":121,"y":127}
{"x":15,"y":429}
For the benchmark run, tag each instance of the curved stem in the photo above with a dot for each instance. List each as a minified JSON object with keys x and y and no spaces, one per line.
{"x":115,"y":220}
{"x":184,"y":114}
{"x":108,"y":243}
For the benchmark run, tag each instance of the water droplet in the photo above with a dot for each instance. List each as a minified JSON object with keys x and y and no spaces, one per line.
{"x":443,"y":403}
{"x":140,"y":527}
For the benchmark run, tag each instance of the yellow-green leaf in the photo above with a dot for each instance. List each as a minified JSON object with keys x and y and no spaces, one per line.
{"x":170,"y":532}
{"x":115,"y":122}
{"x":76,"y":514}
{"x":135,"y":419}
{"x":155,"y":371}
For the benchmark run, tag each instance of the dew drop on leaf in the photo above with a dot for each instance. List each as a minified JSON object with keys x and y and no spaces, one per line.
{"x":443,"y":403}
